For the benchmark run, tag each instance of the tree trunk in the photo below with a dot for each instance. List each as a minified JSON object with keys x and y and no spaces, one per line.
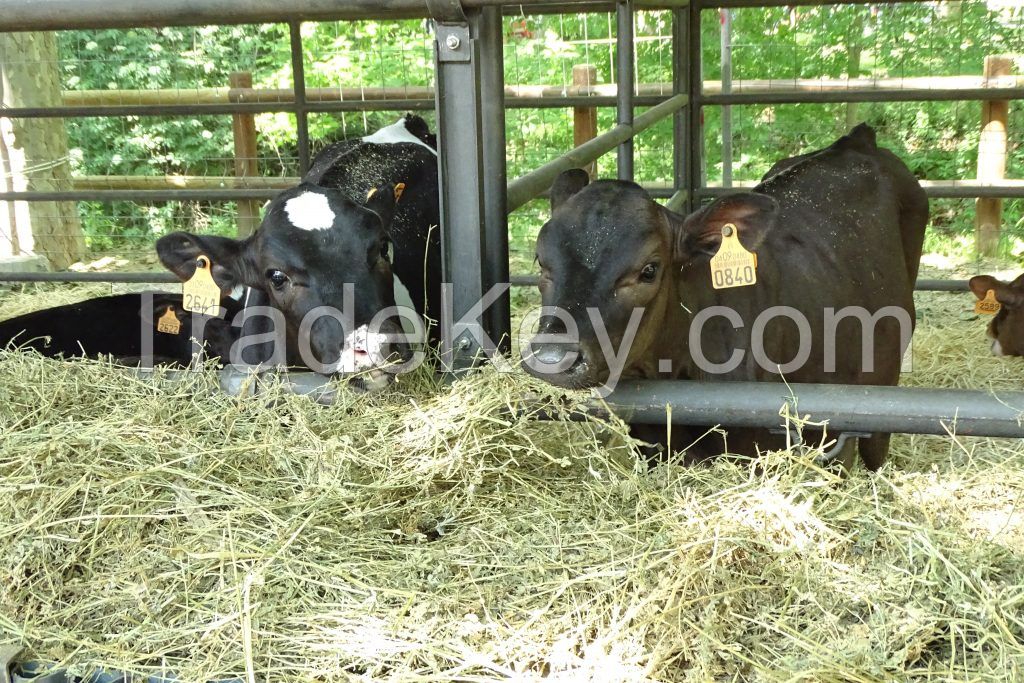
{"x":34,"y":154}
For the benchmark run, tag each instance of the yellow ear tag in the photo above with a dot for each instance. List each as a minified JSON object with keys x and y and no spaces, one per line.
{"x":732,"y":266}
{"x":988,"y":305}
{"x":399,"y":189}
{"x":201,"y":294}
{"x":168,"y":322}
{"x":369,"y":193}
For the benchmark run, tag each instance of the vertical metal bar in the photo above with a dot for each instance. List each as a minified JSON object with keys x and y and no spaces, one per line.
{"x":299,"y":86}
{"x":726,"y":47}
{"x":624,"y":48}
{"x":694,"y":111}
{"x":679,"y":119}
{"x":497,"y":318}
{"x":461,"y":168}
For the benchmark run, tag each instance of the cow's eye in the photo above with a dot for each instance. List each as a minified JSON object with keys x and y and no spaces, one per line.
{"x":649,"y":272}
{"x":277,"y":278}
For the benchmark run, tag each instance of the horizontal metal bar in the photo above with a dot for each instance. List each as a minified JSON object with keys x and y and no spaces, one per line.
{"x":216,"y":109}
{"x":210,"y":109}
{"x":525,"y":188}
{"x":1008,"y":190}
{"x":141,"y":195}
{"x":1012,"y":189}
{"x":941,"y":286}
{"x":715,"y":4}
{"x":936,"y":189}
{"x":153,"y":277}
{"x":920,"y":285}
{"x":899,"y":410}
{"x":514,"y":280}
{"x":52,"y":15}
{"x":862,"y":95}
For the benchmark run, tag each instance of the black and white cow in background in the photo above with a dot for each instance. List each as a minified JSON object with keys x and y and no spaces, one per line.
{"x":839,"y":227}
{"x":341,"y":226}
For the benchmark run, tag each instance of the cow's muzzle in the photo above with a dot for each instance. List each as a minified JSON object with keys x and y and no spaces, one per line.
{"x":561,"y":364}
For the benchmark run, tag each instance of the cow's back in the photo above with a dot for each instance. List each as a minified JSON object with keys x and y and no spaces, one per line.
{"x":848,"y":234}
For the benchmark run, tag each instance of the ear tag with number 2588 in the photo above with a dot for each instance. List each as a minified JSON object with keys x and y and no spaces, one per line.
{"x":732,"y":266}
{"x":989,"y":305}
{"x":200,"y":294}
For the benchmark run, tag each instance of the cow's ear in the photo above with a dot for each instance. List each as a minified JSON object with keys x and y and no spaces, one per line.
{"x":382,"y":201}
{"x":232,"y":263}
{"x":700,"y":234}
{"x":152,"y":316}
{"x":1006,"y":294}
{"x":566,"y":185}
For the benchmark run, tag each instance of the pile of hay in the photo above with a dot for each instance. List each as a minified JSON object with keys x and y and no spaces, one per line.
{"x":424,"y":534}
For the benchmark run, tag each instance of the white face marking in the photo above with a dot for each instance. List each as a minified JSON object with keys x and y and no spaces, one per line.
{"x":236,"y":292}
{"x":404,"y":300}
{"x":361,"y":350}
{"x":310,"y":211}
{"x":997,"y":348}
{"x":396,"y":133}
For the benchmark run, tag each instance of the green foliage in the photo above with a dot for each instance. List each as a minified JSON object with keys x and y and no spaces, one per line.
{"x":938,"y":140}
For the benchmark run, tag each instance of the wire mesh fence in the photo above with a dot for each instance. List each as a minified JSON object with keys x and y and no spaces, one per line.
{"x":888,"y":47}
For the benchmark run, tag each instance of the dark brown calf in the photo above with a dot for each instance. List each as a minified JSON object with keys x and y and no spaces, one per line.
{"x":1007,"y":327}
{"x":837,"y":234}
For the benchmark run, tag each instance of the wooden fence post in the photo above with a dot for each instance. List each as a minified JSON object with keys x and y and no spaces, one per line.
{"x":243,"y":127}
{"x":991,"y":160}
{"x":584,"y":119}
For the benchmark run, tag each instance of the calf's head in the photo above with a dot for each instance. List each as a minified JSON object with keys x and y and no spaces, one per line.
{"x":611,"y":262}
{"x":1007,"y":327}
{"x":322,"y":260}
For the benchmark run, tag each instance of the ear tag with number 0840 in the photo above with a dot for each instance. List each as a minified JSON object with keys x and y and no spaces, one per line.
{"x":989,"y":305}
{"x":200,"y":294}
{"x":732,"y":266}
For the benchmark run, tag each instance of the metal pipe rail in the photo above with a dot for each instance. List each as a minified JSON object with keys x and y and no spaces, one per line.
{"x":862,"y":95}
{"x":52,"y":15}
{"x":936,"y":189}
{"x":895,"y":410}
{"x":163,"y":277}
{"x":525,"y":188}
{"x":846,"y":408}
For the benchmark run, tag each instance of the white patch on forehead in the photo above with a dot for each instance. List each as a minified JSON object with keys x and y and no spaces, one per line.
{"x":236,"y":292}
{"x":396,"y":133}
{"x":310,"y":211}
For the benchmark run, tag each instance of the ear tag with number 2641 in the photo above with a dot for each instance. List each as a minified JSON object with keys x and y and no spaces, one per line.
{"x":200,"y":294}
{"x":732,"y":266}
{"x":989,"y":305}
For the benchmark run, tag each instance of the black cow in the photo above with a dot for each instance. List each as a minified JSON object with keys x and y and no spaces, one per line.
{"x":118,"y":326}
{"x":341,"y":226}
{"x":1007,"y":327}
{"x":840,"y":227}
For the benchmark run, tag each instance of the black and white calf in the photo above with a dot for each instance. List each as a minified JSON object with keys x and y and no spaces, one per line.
{"x":134,"y":329}
{"x":335,"y":254}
